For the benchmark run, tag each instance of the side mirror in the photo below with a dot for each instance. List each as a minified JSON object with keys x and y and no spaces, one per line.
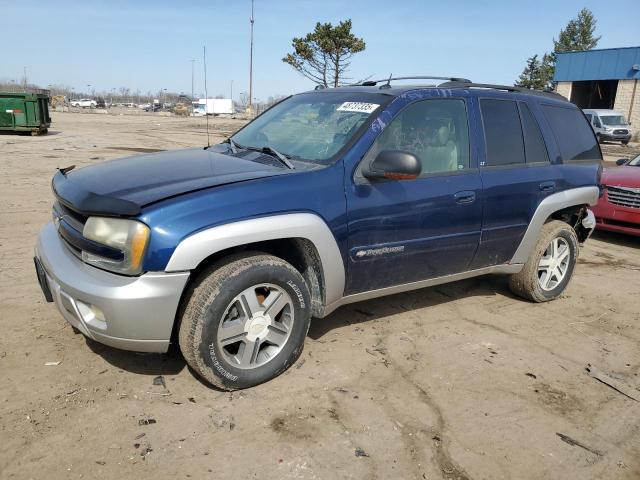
{"x":621,"y":161}
{"x":394,"y":165}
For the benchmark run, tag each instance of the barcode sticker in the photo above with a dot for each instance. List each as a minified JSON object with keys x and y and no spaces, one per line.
{"x":357,"y":107}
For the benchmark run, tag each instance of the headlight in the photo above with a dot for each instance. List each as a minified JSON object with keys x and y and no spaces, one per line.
{"x":128,"y":236}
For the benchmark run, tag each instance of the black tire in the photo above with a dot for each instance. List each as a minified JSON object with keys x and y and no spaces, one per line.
{"x":625,"y":142}
{"x":527,"y":282}
{"x":210,"y":298}
{"x":599,"y":138}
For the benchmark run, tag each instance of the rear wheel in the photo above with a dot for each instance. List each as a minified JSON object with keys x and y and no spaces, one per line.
{"x":625,"y":142}
{"x":550,"y":266}
{"x":245,"y":321}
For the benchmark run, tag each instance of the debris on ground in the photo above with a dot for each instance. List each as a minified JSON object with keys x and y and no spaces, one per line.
{"x":531,"y":375}
{"x":575,"y":443}
{"x":159,"y":380}
{"x":361,"y":453}
{"x":611,"y":382}
{"x":139,"y":436}
{"x":192,"y":400}
{"x":51,"y":364}
{"x":146,"y":421}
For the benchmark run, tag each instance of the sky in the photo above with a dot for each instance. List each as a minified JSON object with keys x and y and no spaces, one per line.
{"x":148,"y":45}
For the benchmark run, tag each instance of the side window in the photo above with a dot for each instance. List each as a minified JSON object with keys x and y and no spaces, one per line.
{"x":596,"y":121}
{"x":436,"y":131}
{"x":534,"y":147}
{"x":574,"y":135}
{"x":589,"y":117}
{"x":502,"y":132}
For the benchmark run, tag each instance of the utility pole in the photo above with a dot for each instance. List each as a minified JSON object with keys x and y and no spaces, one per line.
{"x":251,"y":63}
{"x":231,"y":91}
{"x":25,"y":77}
{"x":193,"y":61}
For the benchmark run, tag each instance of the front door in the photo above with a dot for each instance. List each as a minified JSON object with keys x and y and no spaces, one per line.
{"x":402,"y":231}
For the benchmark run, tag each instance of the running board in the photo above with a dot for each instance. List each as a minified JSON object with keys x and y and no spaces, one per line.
{"x":406,"y":287}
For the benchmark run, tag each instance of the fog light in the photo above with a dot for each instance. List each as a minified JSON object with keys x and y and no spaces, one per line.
{"x":92,"y":315}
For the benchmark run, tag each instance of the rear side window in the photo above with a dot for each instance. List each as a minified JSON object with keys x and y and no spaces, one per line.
{"x":574,"y":135}
{"x":534,"y":147}
{"x":502,"y":132}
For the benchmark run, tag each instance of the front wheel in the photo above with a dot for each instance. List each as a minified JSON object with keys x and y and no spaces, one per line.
{"x":245,"y":321}
{"x":550,"y":266}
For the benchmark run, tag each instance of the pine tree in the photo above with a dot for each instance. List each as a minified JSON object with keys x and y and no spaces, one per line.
{"x":531,"y":75}
{"x":577,"y":36}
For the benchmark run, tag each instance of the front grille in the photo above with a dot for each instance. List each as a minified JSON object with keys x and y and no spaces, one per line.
{"x":620,"y":132}
{"x":624,"y":197}
{"x":73,"y":218}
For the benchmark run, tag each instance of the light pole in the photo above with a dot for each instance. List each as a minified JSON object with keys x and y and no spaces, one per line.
{"x":231,"y":92}
{"x":164,"y":96}
{"x":251,"y":62}
{"x":88,"y":89}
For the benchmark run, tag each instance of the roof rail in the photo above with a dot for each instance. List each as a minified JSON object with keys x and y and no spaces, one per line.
{"x":373,"y":83}
{"x":508,"y":88}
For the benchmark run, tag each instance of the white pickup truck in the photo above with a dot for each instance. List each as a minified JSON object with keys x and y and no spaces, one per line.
{"x":84,"y":103}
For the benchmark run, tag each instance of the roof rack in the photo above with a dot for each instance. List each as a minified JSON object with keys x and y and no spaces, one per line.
{"x":387,"y":84}
{"x":508,"y":88}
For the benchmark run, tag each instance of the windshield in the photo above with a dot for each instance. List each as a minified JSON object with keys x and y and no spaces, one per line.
{"x":635,"y":162}
{"x":613,"y":119}
{"x":311,"y":126}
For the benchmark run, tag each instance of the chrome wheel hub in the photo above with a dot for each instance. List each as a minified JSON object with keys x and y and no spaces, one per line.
{"x":256,"y":326}
{"x":554,"y":264}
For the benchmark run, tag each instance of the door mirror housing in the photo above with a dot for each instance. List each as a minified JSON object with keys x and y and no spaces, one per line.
{"x":394,"y":165}
{"x":621,"y":161}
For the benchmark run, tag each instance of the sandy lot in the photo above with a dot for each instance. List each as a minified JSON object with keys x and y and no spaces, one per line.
{"x":462,"y":381}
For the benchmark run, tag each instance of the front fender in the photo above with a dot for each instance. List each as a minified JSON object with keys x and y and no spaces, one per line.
{"x":191,"y":251}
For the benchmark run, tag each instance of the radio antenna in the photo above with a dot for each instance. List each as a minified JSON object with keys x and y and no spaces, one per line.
{"x":206,"y":94}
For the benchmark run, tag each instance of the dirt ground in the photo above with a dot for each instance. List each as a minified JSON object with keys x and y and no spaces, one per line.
{"x":462,"y":381}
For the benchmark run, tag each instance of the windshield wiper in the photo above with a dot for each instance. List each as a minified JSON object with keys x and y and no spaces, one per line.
{"x":233,"y":146}
{"x":274,"y":153}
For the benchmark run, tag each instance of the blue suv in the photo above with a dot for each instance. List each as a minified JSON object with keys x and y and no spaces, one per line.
{"x":330,"y":197}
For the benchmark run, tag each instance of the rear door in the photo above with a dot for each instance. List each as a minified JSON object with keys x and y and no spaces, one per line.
{"x":516,"y":175}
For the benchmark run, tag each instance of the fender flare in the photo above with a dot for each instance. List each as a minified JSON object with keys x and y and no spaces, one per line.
{"x":197,"y":247}
{"x":551,"y":204}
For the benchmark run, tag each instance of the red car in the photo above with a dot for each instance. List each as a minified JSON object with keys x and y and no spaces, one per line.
{"x":619,"y":207}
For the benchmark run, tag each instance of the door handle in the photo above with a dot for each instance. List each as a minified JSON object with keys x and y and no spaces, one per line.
{"x":464,"y":197}
{"x":547,"y":186}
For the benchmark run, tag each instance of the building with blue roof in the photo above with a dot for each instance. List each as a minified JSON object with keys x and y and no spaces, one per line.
{"x":606,"y":78}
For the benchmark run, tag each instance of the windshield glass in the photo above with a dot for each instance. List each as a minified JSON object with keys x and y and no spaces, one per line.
{"x":311,"y":126}
{"x":613,"y":119}
{"x":635,"y":162}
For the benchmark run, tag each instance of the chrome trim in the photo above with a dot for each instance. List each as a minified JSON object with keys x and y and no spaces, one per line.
{"x":358,"y":297}
{"x":551,"y":204}
{"x":195,"y":248}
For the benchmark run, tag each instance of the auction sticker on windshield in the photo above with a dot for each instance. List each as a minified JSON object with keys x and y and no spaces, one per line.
{"x":357,"y":107}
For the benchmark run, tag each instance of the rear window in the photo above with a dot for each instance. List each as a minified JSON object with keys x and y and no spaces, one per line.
{"x":502,"y":132}
{"x":575,"y":137}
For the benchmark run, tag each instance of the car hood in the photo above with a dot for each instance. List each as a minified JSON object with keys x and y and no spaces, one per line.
{"x":123,"y":186}
{"x":623,"y":176}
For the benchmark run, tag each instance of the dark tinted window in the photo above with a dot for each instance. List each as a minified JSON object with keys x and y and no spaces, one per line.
{"x":502,"y":132}
{"x":572,"y":132}
{"x":435,"y":131}
{"x":534,"y":146}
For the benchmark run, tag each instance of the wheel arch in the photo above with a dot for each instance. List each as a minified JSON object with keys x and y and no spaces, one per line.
{"x":565,"y":206}
{"x":302,"y":239}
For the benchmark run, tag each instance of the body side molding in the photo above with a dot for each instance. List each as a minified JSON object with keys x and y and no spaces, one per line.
{"x":551,"y":204}
{"x":195,"y":248}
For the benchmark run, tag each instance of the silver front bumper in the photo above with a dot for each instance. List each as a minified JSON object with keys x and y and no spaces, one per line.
{"x":131,"y":313}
